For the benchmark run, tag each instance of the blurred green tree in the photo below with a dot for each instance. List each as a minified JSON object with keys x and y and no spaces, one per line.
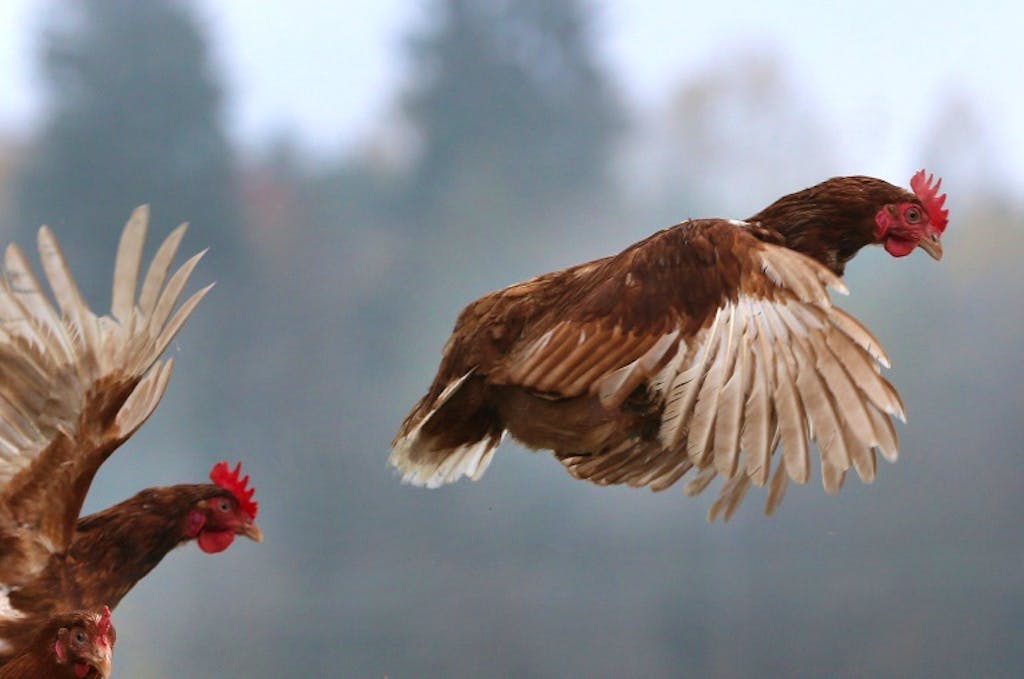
{"x":134,"y":116}
{"x":508,"y":100}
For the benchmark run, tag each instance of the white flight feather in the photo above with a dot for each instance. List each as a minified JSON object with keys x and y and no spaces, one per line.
{"x":52,"y":359}
{"x":685,"y":386}
{"x":706,"y":408}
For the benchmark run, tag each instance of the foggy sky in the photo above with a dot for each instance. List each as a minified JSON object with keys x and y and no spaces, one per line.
{"x":873,"y":70}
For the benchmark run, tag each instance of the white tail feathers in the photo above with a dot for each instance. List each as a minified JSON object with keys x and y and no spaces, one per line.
{"x":424,"y":461}
{"x":433,"y":468}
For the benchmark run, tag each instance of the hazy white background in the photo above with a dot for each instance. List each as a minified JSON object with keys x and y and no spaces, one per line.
{"x":873,"y":69}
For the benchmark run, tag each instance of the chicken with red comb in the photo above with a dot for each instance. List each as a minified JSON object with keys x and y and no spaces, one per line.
{"x":701,"y":351}
{"x":75,"y":645}
{"x":231,"y":480}
{"x":76,"y":386}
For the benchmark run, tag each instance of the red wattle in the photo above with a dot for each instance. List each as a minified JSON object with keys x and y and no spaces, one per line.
{"x":213,"y":541}
{"x":81,"y":669}
{"x":899,"y":247}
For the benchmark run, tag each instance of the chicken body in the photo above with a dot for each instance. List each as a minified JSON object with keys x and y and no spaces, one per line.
{"x":705,"y":345}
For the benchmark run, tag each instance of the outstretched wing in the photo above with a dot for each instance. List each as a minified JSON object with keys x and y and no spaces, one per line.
{"x":75,"y":385}
{"x":737,"y":343}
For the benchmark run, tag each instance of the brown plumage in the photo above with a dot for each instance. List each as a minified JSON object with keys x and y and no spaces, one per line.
{"x":75,"y":387}
{"x":74,"y":645}
{"x":705,"y":345}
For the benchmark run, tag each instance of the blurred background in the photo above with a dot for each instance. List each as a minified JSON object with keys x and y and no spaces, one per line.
{"x":360,"y":171}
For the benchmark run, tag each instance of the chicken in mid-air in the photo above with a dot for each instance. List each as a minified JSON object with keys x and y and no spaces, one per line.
{"x":75,"y":645}
{"x":704,"y":346}
{"x":73,"y":387}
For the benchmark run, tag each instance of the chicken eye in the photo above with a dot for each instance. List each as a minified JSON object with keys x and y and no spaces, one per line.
{"x":912,"y":215}
{"x":80,"y":636}
{"x":224,"y":506}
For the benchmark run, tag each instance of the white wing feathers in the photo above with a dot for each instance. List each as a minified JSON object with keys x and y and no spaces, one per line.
{"x":52,"y":358}
{"x":784,"y":368}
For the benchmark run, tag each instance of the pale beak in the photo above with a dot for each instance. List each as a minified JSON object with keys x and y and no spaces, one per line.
{"x":101,"y":661}
{"x":932,"y":245}
{"x":251,"y":531}
{"x":105,"y":665}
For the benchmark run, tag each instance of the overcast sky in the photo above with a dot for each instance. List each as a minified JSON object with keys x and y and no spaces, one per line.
{"x":873,"y":69}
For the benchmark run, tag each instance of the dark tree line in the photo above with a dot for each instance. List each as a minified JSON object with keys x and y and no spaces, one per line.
{"x":134,"y":116}
{"x":511,"y":94}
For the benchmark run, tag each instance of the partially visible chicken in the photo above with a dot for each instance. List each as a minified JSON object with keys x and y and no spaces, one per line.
{"x":76,"y":645}
{"x":705,"y":346}
{"x":75,"y":386}
{"x":113,"y":549}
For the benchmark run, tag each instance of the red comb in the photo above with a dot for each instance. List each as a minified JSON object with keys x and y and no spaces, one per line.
{"x":104,"y":623}
{"x":932,"y":202}
{"x":227,"y":478}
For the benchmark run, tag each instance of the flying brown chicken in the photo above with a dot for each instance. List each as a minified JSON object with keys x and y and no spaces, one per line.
{"x":704,"y":346}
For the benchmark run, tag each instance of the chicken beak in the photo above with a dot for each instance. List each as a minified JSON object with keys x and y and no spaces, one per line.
{"x":100,"y":661}
{"x":932,"y":245}
{"x":105,"y":666}
{"x":251,"y":531}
